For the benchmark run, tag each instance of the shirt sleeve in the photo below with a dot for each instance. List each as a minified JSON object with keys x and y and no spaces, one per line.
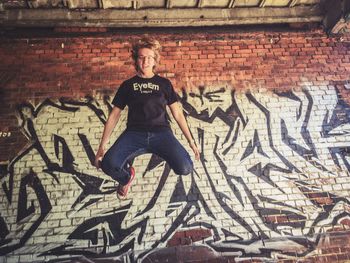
{"x":172,"y":97}
{"x":120,"y":98}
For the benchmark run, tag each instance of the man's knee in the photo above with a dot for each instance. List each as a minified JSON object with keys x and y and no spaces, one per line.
{"x":114,"y":171}
{"x":184,"y":169}
{"x":106,"y":166}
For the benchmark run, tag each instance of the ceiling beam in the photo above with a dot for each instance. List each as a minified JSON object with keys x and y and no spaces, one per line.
{"x":262,"y":3}
{"x":293,"y":3}
{"x":232,"y":4}
{"x":173,"y":17}
{"x":199,"y":3}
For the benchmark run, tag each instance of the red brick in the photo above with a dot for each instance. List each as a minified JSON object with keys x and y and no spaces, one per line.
{"x":87,"y":64}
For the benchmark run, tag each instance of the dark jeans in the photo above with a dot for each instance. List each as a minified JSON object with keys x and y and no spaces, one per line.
{"x":133,"y":143}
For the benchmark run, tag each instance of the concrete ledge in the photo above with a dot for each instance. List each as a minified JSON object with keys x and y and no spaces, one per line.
{"x":159,"y":17}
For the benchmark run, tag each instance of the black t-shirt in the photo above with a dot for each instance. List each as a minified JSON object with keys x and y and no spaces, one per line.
{"x":147,"y":99}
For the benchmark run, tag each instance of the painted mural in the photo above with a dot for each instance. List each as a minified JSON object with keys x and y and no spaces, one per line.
{"x":272,"y":177}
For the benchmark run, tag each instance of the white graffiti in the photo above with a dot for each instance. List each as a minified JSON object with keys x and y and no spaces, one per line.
{"x":274,"y":167}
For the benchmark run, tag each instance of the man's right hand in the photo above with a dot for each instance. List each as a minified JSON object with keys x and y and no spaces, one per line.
{"x":98,"y":158}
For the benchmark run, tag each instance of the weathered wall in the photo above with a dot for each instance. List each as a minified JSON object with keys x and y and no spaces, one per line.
{"x":269,"y":110}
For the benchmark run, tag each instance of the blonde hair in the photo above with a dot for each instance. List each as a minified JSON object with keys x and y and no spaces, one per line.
{"x":149,"y":43}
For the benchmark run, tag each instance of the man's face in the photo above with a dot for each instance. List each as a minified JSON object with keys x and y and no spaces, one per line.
{"x":146,"y":60}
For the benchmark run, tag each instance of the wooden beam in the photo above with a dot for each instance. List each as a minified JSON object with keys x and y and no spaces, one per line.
{"x":134,"y":4}
{"x":200,"y":3}
{"x":262,"y":3}
{"x":173,"y":17}
{"x":293,"y":3}
{"x":231,"y":4}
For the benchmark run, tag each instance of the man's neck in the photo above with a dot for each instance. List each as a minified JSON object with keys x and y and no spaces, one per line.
{"x":146,"y":75}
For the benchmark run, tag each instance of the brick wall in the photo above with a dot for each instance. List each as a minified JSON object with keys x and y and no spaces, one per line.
{"x":269,"y":111}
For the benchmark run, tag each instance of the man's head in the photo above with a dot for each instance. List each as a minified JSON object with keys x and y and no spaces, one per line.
{"x":145,"y":53}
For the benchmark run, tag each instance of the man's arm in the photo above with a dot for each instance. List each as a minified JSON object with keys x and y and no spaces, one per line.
{"x":112,"y":121}
{"x":178,"y":115}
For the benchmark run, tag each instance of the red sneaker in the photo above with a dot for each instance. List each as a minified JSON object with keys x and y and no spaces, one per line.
{"x":122,"y":190}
